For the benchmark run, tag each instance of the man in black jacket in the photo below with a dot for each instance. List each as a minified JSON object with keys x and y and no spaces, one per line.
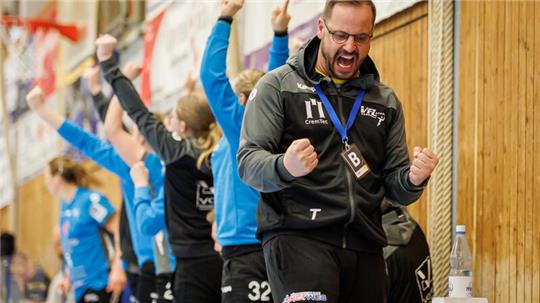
{"x":323,"y":140}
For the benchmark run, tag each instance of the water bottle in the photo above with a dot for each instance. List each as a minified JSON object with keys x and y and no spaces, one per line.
{"x":460,"y":279}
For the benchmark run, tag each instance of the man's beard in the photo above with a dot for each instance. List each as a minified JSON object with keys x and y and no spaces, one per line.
{"x":331,"y":62}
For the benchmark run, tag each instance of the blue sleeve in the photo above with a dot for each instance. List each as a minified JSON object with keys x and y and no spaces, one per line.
{"x":100,"y":208}
{"x":149,"y":215}
{"x":98,"y":150}
{"x":279,"y":52}
{"x":222,"y":100}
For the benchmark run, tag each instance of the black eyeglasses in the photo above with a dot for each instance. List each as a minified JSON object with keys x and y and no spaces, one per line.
{"x":341,"y":37}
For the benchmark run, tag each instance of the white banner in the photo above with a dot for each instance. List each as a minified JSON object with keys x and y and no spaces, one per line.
{"x":180,"y":37}
{"x":84,"y":15}
{"x":36,"y":143}
{"x":6,"y":185}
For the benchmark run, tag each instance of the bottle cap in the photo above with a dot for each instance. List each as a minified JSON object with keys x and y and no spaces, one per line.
{"x":460,"y":228}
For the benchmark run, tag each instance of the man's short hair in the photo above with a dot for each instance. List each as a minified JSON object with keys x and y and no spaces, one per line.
{"x":331,"y":3}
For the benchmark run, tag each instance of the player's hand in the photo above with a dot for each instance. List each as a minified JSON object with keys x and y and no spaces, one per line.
{"x":117,"y":278}
{"x":281,"y":17}
{"x":229,"y":8}
{"x":105,"y":47}
{"x":35,"y":98}
{"x":139,"y":174}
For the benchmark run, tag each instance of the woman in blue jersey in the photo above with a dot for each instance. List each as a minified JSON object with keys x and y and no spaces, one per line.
{"x":104,"y":154}
{"x":244,"y":277}
{"x":188,"y":180}
{"x":84,"y":214}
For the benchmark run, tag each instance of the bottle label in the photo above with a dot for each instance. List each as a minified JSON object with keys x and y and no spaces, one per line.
{"x":459,"y":287}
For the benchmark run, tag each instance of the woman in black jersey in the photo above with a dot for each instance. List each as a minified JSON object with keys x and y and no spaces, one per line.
{"x":188,"y":178}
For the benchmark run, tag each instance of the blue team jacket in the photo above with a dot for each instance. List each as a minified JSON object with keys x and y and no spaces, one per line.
{"x":104,"y":154}
{"x":235,"y":202}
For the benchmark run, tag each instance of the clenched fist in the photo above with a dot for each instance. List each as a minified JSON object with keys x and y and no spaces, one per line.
{"x":300,"y":158}
{"x":105,"y":47}
{"x":423,"y":164}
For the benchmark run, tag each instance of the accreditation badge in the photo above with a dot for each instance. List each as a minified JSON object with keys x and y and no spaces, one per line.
{"x":355,"y":161}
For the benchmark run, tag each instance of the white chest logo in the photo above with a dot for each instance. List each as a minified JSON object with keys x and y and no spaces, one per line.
{"x":315,"y":112}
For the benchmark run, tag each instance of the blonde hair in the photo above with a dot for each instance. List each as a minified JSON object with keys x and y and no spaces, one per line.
{"x":246,"y":81}
{"x":193,"y":109}
{"x":72,"y":172}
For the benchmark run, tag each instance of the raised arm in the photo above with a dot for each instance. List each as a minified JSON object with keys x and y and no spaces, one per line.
{"x":126,"y":146}
{"x":36,"y":101}
{"x":222,"y":100}
{"x":279,"y":51}
{"x":99,"y":151}
{"x":149,"y":125}
{"x":101,"y":103}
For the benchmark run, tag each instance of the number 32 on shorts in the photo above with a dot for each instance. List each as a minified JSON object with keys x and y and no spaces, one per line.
{"x":259,"y":291}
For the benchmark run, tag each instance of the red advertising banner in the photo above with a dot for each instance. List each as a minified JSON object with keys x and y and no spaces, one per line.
{"x":150,"y":34}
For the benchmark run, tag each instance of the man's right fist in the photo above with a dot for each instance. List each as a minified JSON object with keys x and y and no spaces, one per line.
{"x":35,"y":98}
{"x":105,"y":47}
{"x":229,"y":8}
{"x":300,"y":158}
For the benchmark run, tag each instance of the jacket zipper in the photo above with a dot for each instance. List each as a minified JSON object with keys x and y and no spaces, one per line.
{"x":351,"y":202}
{"x":349,"y":182}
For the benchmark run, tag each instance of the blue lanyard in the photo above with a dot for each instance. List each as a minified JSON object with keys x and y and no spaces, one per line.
{"x":333,"y":116}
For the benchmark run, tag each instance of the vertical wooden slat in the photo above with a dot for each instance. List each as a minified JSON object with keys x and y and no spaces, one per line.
{"x":4,"y":218}
{"x":509,"y":167}
{"x":497,"y":106}
{"x":467,"y":125}
{"x":535,"y":264}
{"x":513,"y":34}
{"x":531,"y":56}
{"x":487,"y":119}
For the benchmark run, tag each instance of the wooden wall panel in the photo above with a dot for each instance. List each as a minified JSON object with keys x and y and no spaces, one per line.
{"x":499,"y":145}
{"x":4,"y":219}
{"x":38,"y":215}
{"x":399,"y":50}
